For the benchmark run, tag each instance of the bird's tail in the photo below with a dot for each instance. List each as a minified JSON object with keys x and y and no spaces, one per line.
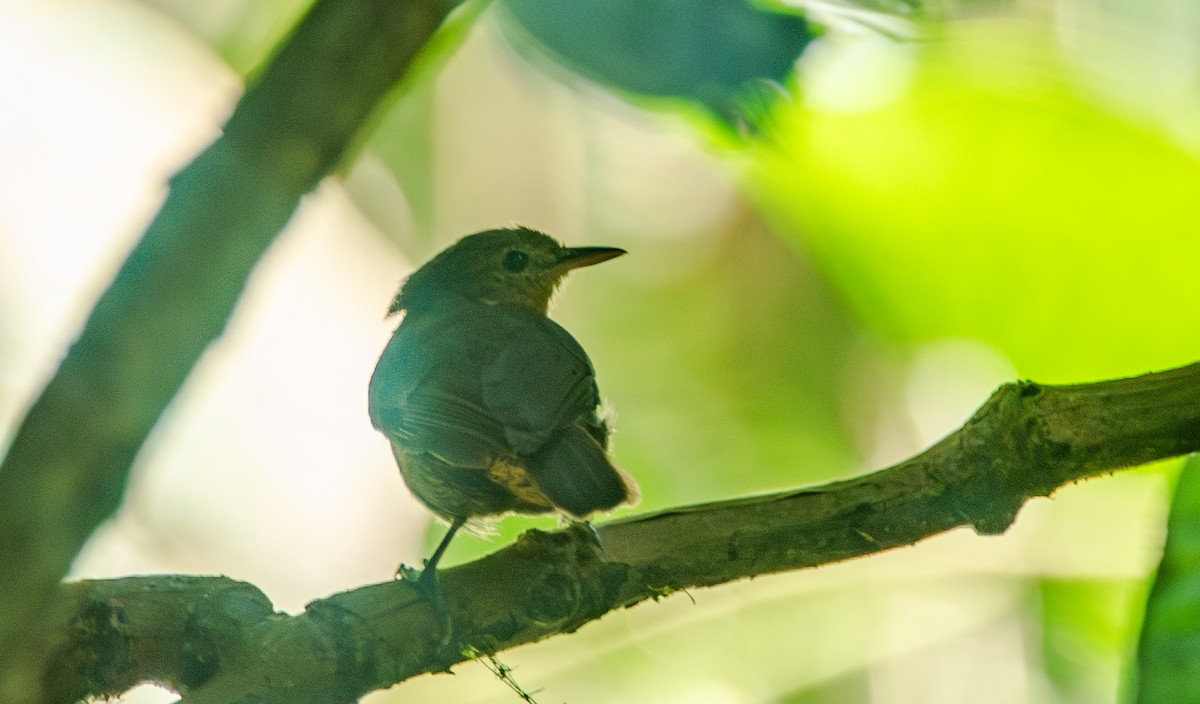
{"x":578,"y":477}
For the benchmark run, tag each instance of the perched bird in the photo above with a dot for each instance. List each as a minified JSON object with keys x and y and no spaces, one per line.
{"x":490,"y":406}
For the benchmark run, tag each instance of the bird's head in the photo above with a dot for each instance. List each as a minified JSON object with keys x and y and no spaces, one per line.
{"x":515,"y":267}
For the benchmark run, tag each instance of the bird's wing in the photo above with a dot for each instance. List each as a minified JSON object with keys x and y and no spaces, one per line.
{"x":451,"y":428}
{"x":541,"y":381}
{"x":419,"y":399}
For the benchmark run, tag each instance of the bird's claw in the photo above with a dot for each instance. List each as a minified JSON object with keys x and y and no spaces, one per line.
{"x":592,"y":535}
{"x":410,"y":574}
{"x":595,"y":536}
{"x":426,"y":582}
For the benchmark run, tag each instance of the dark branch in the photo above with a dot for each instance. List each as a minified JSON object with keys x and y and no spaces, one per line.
{"x":219,"y":641}
{"x":69,"y":461}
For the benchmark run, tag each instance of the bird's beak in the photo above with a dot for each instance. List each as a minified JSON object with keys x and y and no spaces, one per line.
{"x":575,"y":257}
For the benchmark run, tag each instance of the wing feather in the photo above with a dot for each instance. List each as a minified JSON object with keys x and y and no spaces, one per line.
{"x":451,"y":428}
{"x":540,"y":382}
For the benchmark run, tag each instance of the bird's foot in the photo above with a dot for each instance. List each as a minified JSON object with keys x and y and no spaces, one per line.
{"x":429,"y":586}
{"x":409,"y":574}
{"x":595,"y":536}
{"x":591,"y":533}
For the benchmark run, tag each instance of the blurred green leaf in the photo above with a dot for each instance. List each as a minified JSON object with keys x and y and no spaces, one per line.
{"x":993,"y":200}
{"x":1086,"y":629}
{"x":1169,"y":653}
{"x":709,"y":51}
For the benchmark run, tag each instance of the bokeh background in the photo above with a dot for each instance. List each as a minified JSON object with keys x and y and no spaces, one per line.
{"x":830,"y":268}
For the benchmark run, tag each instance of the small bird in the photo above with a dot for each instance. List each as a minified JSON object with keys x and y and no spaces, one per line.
{"x":490,"y":406}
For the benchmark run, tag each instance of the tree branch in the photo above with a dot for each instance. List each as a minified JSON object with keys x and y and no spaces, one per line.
{"x":219,"y":641}
{"x":69,"y":461}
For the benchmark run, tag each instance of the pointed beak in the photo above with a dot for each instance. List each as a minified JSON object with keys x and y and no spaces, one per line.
{"x":575,"y":257}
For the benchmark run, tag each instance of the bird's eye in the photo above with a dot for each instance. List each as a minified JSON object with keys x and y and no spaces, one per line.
{"x":515,"y":261}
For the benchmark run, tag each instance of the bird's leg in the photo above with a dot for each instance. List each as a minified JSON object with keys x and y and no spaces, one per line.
{"x":427,"y":583}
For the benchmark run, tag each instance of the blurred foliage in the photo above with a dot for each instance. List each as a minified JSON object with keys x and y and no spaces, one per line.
{"x":1169,"y":652}
{"x":763,"y":409}
{"x":243,"y":32}
{"x":708,"y":51}
{"x":403,"y":139}
{"x":994,"y":200}
{"x":1087,"y":626}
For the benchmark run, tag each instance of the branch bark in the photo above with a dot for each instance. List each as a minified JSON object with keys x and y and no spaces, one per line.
{"x":220,"y":641}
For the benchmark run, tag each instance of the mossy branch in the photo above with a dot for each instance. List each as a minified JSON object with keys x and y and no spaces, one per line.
{"x":218,"y":640}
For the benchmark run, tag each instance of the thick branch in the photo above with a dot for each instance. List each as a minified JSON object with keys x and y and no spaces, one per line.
{"x":69,"y":461}
{"x":1026,"y":441}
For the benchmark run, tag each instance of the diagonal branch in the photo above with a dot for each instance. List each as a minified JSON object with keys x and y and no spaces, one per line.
{"x":69,"y":461}
{"x":218,"y":640}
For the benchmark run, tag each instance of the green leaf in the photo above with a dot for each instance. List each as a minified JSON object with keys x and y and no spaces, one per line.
{"x":709,"y":51}
{"x":1169,"y":654}
{"x":995,"y":200}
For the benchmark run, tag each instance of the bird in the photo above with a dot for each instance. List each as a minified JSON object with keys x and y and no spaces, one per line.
{"x":491,"y":407}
